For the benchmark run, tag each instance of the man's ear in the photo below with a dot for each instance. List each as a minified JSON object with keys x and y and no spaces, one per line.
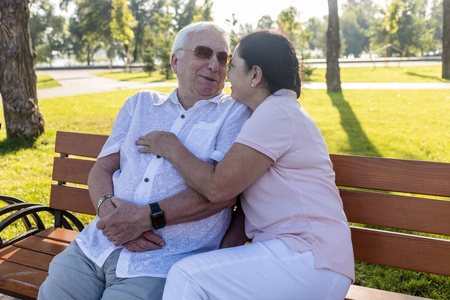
{"x":257,"y":75}
{"x":174,"y":63}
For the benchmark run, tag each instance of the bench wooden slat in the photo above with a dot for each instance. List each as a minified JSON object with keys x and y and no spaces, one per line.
{"x":362,"y":293}
{"x":400,"y":175}
{"x":58,"y":234}
{"x":386,"y":210}
{"x":82,"y":144}
{"x":71,"y":170}
{"x":38,"y":244}
{"x":21,"y":279}
{"x":26,"y":257}
{"x":401,"y":250}
{"x":71,"y":198}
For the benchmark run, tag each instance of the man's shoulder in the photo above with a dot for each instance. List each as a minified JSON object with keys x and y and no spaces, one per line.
{"x":233,"y":104}
{"x":149,"y":95}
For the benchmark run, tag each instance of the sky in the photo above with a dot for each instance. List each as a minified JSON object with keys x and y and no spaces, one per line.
{"x":250,"y":11}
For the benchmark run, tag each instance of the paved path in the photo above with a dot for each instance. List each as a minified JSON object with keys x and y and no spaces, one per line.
{"x":76,"y":82}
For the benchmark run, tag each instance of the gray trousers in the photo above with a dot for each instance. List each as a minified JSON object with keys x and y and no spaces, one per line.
{"x":74,"y":276}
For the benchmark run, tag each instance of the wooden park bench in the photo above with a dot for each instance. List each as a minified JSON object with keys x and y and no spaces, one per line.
{"x":365,"y":184}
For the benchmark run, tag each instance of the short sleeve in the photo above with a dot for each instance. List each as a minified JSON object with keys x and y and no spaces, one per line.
{"x":269,"y":130}
{"x":120,"y":128}
{"x":231,"y":127}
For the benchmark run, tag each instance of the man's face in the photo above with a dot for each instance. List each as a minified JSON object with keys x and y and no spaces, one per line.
{"x":200,"y":79}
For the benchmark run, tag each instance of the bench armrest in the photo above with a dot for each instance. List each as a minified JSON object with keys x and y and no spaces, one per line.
{"x":23,"y":210}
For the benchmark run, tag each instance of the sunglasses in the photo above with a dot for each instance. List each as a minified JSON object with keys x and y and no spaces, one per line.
{"x":205,"y":53}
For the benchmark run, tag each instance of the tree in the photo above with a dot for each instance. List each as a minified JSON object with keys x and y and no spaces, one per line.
{"x":405,"y":28}
{"x":333,"y":75}
{"x":434,"y":24}
{"x":318,"y":28}
{"x":92,"y":21}
{"x":288,"y":23}
{"x":355,"y":24}
{"x":47,"y":31}
{"x":121,"y":26}
{"x":204,"y":12}
{"x":17,"y":75}
{"x":265,"y":22}
{"x":145,"y":13}
{"x":446,"y":41}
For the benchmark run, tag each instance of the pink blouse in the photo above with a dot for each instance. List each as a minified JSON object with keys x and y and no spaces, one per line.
{"x":296,"y":200}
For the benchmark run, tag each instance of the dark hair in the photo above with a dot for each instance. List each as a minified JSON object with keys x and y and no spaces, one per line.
{"x":275,"y":55}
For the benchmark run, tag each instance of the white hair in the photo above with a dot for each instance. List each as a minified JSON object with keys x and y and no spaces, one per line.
{"x":181,"y":40}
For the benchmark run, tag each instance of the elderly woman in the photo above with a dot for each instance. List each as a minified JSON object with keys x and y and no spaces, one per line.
{"x":301,"y":245}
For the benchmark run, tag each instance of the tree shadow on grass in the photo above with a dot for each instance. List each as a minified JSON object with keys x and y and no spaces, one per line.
{"x":428,"y":77}
{"x":8,"y":146}
{"x":359,"y":143}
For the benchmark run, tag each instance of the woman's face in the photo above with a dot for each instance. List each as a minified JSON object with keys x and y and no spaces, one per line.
{"x":240,"y":79}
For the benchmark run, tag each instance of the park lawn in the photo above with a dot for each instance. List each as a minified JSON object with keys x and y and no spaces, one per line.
{"x":411,"y":124}
{"x":431,"y":73}
{"x":45,"y":82}
{"x":140,"y":76}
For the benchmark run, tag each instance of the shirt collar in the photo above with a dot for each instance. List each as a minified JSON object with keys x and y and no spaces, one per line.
{"x":174,"y":98}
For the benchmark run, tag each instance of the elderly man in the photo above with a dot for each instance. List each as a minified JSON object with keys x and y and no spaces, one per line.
{"x":148,"y":218}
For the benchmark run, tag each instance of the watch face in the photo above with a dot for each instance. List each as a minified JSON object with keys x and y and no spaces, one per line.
{"x":159,"y":220}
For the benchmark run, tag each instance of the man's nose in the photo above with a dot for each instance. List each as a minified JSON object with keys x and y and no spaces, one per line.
{"x":213,"y":63}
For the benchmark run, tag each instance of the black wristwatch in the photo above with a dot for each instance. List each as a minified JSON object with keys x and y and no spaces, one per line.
{"x":157,"y":216}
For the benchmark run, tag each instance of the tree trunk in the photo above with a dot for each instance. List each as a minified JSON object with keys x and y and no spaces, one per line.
{"x":446,"y":41}
{"x":333,"y":75}
{"x":17,"y":75}
{"x":88,"y":54}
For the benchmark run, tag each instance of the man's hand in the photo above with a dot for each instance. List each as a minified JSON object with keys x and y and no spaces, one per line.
{"x":126,"y":222}
{"x":146,"y":242}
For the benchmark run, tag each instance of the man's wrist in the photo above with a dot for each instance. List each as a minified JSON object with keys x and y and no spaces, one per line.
{"x":101,"y":201}
{"x":157,"y":216}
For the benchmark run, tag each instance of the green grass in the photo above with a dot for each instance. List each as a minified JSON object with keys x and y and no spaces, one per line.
{"x":431,"y":73}
{"x":411,"y":124}
{"x":385,"y":74}
{"x":156,"y":76}
{"x":46,"y":82}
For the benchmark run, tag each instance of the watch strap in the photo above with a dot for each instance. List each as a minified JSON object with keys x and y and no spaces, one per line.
{"x":157,"y":216}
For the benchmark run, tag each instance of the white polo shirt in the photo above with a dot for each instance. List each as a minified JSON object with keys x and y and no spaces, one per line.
{"x":208,"y":130}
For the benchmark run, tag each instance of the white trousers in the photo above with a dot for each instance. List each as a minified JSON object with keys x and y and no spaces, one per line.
{"x":267,"y":270}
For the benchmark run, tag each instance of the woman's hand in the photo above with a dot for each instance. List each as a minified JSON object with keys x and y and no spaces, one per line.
{"x":147,"y":241}
{"x":162,"y":143}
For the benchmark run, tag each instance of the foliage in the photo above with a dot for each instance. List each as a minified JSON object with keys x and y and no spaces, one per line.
{"x":355,"y":24}
{"x":121,"y":25}
{"x":149,"y":62}
{"x":92,"y":19}
{"x":122,"y":22}
{"x":47,"y":31}
{"x":405,"y":27}
{"x":413,"y":26}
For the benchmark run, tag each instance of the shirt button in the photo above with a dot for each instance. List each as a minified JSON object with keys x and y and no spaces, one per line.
{"x":146,"y":180}
{"x":182,"y":116}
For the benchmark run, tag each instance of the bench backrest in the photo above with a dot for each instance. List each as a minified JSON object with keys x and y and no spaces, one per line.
{"x":366,"y":186}
{"x":374,"y":204}
{"x":77,"y":156}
